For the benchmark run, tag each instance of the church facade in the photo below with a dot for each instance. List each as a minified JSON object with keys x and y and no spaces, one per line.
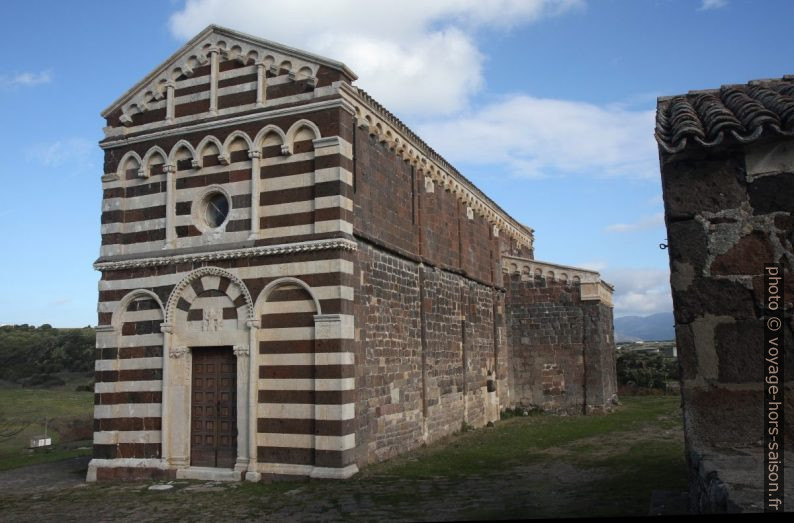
{"x":295,"y":284}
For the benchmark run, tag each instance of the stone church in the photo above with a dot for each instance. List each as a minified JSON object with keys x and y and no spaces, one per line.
{"x":295,"y":284}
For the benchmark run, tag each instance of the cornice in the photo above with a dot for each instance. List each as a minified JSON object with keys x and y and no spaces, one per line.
{"x":248,"y":252}
{"x":379,"y":122}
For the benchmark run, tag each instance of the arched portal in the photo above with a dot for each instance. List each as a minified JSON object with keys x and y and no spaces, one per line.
{"x":207,"y":375}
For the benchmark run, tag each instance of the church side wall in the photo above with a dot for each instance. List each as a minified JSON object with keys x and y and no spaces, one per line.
{"x":425,"y":347}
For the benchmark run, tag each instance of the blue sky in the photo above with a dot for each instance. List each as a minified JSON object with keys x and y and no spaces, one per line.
{"x":547,"y":105}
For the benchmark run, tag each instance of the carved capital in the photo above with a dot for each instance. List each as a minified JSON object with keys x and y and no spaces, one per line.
{"x":143,"y":173}
{"x":224,"y":159}
{"x":286,"y":150}
{"x":241,"y":351}
{"x":254,"y":154}
{"x":166,"y":328}
{"x":177,"y":352}
{"x":169,"y":168}
{"x":253,"y":324}
{"x":195,"y":164}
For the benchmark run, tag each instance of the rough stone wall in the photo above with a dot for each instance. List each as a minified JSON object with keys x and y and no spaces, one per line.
{"x":425,"y":345}
{"x":728,"y":212}
{"x":562,"y":356}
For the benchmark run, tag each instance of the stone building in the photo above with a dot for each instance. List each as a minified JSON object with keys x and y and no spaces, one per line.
{"x":295,"y":284}
{"x":727,"y":164}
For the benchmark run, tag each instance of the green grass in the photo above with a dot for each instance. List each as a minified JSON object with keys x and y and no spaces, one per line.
{"x":29,"y":407}
{"x":519,"y":440}
{"x":541,"y":466}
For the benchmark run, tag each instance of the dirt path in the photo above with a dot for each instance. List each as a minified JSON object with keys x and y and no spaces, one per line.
{"x":44,"y":477}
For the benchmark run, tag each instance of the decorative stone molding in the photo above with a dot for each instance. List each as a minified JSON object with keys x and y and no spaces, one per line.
{"x":166,"y":328}
{"x":177,"y":352}
{"x":253,"y":324}
{"x":241,"y":351}
{"x":180,"y":287}
{"x":105,"y":328}
{"x":249,"y":252}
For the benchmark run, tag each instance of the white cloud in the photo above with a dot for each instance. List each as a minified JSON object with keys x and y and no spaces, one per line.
{"x":649,"y":222}
{"x":75,"y":152}
{"x":415,"y":57}
{"x":712,"y":4}
{"x":640,"y":291}
{"x":26,"y":79}
{"x":540,"y":137}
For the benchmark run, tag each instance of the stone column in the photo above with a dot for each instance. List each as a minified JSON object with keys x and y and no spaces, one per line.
{"x":176,"y":388}
{"x":255,"y":156}
{"x":261,"y":85}
{"x":213,"y":80}
{"x":170,"y":204}
{"x":253,"y":372}
{"x":165,"y":429}
{"x":243,"y":414}
{"x":169,"y":102}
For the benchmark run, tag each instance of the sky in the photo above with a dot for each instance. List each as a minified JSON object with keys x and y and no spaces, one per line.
{"x":546,"y":105}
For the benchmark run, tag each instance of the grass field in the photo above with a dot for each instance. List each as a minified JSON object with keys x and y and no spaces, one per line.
{"x":68,"y":415}
{"x":525,"y":467}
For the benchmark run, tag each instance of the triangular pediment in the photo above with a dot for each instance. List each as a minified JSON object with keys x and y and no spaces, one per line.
{"x":195,"y":55}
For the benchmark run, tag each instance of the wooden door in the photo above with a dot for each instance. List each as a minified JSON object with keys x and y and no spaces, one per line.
{"x":213,"y":433}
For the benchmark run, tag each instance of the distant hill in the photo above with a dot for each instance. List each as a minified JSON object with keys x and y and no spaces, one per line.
{"x":656,"y":327}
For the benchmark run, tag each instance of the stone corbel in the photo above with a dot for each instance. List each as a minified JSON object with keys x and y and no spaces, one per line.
{"x":291,"y":76}
{"x":187,"y":70}
{"x":177,"y":352}
{"x":286,"y":149}
{"x":125,"y":120}
{"x":143,"y":172}
{"x":312,"y":81}
{"x":196,"y":164}
{"x":430,"y":187}
{"x":273,"y":69}
{"x":469,"y":213}
{"x":223,"y":159}
{"x":110,"y":177}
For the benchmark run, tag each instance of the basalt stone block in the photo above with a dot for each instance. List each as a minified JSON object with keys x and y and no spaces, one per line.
{"x":712,"y":296}
{"x":687,"y":242}
{"x":746,"y":257}
{"x":687,"y":355}
{"x":740,"y":351}
{"x":772,"y":194}
{"x":724,"y":417}
{"x":693,"y":187}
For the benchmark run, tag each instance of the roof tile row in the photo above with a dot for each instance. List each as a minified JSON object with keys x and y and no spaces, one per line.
{"x":744,"y":112}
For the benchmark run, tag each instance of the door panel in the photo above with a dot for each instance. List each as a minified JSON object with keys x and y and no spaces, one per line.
{"x":214,"y":410}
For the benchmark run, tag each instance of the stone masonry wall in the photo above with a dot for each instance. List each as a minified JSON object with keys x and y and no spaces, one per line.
{"x":562,"y":356}
{"x":728,"y":212}
{"x":425,"y":345}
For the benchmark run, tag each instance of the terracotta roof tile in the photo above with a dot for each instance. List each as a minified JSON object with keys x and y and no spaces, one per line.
{"x":740,"y":112}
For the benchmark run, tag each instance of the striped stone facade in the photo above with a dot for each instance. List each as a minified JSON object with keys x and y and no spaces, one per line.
{"x":355,"y":282}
